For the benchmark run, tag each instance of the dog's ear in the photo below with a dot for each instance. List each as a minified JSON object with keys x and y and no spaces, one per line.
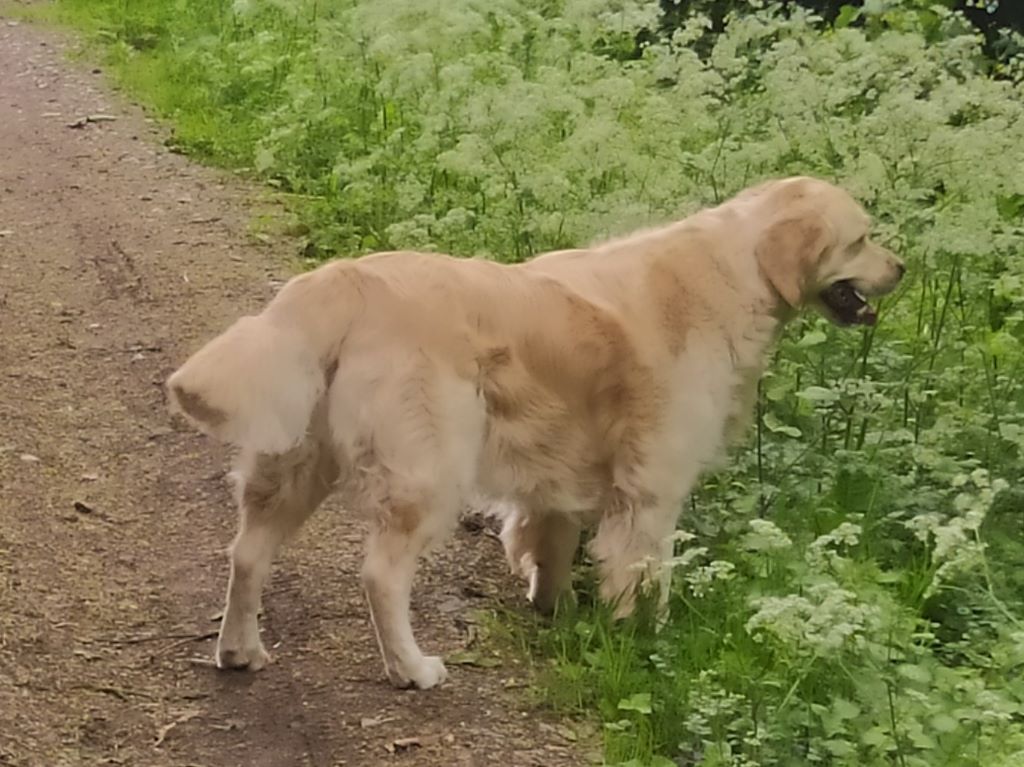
{"x":788,"y":252}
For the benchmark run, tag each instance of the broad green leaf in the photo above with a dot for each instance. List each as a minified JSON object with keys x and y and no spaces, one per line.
{"x":813,"y":338}
{"x":840,"y":748}
{"x":844,"y":709}
{"x":944,"y":723}
{"x":915,"y":673}
{"x":639,"y":702}
{"x":875,"y":736}
{"x":847,"y":15}
{"x":818,"y":394}
{"x":773,"y":424}
{"x":1010,"y":207}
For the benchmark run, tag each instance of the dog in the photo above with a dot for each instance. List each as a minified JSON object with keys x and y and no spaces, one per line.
{"x":585,"y":387}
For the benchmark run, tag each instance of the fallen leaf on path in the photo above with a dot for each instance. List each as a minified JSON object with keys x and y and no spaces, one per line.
{"x":373,"y":721}
{"x":404,"y":744}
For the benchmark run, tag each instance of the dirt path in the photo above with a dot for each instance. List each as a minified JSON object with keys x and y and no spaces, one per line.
{"x":116,"y":257}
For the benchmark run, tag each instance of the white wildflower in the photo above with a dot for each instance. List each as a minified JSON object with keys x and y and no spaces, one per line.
{"x":765,"y":536}
{"x":821,"y":552}
{"x":824,"y":621}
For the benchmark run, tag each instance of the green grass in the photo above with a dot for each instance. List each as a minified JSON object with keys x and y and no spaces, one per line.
{"x":853,"y":594}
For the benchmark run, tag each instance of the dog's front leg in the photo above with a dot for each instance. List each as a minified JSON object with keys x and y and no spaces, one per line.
{"x":391,"y":555}
{"x":631,"y":547}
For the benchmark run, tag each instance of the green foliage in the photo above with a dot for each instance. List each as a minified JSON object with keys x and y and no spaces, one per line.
{"x":852,"y":595}
{"x":803,"y":649}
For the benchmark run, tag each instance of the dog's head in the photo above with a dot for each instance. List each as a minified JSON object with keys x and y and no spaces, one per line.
{"x":814,"y":248}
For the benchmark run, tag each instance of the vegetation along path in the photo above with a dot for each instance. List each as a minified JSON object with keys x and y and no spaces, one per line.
{"x":116,"y":258}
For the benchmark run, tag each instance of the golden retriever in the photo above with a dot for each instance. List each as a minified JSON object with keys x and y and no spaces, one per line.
{"x":585,"y":387}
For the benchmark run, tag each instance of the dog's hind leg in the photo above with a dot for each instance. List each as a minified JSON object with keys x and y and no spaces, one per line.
{"x":400,"y":535}
{"x":276,"y":494}
{"x":414,"y":433}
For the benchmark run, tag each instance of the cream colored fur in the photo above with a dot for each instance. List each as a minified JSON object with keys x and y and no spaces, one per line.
{"x":584,"y":388}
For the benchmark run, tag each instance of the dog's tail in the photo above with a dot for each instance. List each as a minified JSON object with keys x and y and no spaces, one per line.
{"x":257,"y":383}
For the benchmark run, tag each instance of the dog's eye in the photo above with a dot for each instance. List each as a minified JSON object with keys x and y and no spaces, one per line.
{"x":860,"y":241}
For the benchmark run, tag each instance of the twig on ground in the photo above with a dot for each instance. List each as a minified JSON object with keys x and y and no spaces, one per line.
{"x":120,"y":693}
{"x":161,"y":734}
{"x":184,"y":641}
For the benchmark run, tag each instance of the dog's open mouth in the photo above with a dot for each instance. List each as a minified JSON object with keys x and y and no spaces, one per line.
{"x":847,"y":304}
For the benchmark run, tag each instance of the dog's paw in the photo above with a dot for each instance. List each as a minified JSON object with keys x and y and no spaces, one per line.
{"x":241,"y":658}
{"x":427,"y":672}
